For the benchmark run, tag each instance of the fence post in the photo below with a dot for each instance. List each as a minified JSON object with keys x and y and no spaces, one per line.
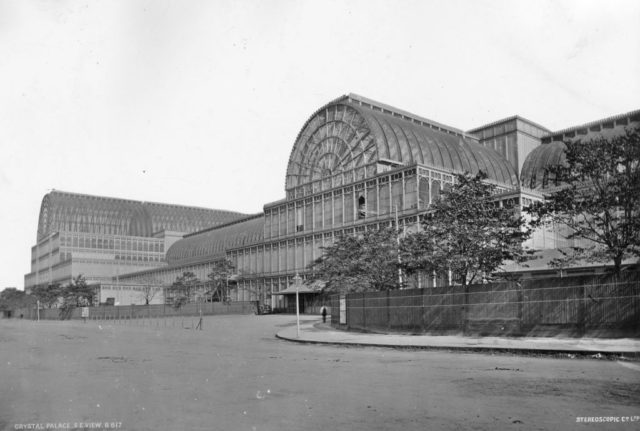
{"x":347,"y":307}
{"x":388,"y":309}
{"x":423,"y":308}
{"x":465,"y":313}
{"x":364,"y":314}
{"x":520,"y":307}
{"x":581,"y":309}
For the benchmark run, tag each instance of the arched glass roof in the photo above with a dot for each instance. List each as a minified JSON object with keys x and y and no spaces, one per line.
{"x":213,"y":243}
{"x":538,"y":161}
{"x":534,"y":173}
{"x":72,"y":212}
{"x":352,"y":132}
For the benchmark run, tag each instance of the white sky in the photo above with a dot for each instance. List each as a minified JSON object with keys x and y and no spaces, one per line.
{"x":199,"y":102}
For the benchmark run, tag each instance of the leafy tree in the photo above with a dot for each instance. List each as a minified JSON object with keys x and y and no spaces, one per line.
{"x":219,"y":276}
{"x":183,"y":288}
{"x":364,"y":262}
{"x":47,"y":295}
{"x":466,"y":232}
{"x":12,"y":298}
{"x":78,"y":293}
{"x":598,"y":198}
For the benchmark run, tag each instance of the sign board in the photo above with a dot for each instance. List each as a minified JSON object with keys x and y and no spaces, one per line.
{"x":343,"y":310}
{"x":85,"y":312}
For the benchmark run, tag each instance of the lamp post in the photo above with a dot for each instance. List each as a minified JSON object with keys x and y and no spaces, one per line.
{"x":297,"y":280}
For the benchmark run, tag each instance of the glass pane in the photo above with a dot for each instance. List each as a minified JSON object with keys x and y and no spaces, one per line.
{"x":385,"y":200}
{"x":372,"y":202}
{"x":308,"y":217}
{"x":282,"y":219}
{"x":328,"y":212}
{"x":435,"y":192}
{"x":291,"y":220}
{"x":317,"y":209}
{"x":410,"y":197}
{"x":299,"y":256}
{"x":348,"y":207}
{"x":423,"y":198}
{"x":396,"y":194}
{"x":337,"y":210}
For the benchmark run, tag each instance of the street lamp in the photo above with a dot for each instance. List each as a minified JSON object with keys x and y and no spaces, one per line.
{"x":297,"y":281}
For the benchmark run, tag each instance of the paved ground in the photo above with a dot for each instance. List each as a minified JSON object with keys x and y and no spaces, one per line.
{"x":317,"y":332}
{"x":235,"y":375}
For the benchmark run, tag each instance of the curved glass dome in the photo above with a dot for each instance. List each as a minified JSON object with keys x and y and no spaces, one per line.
{"x":534,"y":170}
{"x":352,"y":132}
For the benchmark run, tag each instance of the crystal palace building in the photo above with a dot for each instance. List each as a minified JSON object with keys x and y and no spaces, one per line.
{"x":356,"y":164}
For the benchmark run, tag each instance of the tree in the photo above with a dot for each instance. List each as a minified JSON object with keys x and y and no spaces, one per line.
{"x":47,"y":295}
{"x":219,"y":276}
{"x":150,"y":288}
{"x":360,"y":263}
{"x":466,"y":232}
{"x":78,"y":293}
{"x":12,"y":298}
{"x":598,"y":198}
{"x":183,"y":288}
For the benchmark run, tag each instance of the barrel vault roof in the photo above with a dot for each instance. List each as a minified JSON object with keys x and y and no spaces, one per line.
{"x":73,"y":212}
{"x":213,"y":243}
{"x":353,"y":131}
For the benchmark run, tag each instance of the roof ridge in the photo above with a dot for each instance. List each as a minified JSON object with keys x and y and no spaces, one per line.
{"x":411,"y":116}
{"x":601,"y":121}
{"x":85,"y":195}
{"x":504,"y":120}
{"x":221,"y":226}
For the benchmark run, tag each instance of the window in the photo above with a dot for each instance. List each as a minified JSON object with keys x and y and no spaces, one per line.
{"x":317,"y":213}
{"x":396,"y":193}
{"x":299,"y":219}
{"x":282,"y":221}
{"x":328,"y":210}
{"x":372,"y":199}
{"x":435,"y":192}
{"x":362,"y":208}
{"x":291,"y":216}
{"x":385,"y":200}
{"x":308,"y":214}
{"x":348,"y":207}
{"x":337,"y":210}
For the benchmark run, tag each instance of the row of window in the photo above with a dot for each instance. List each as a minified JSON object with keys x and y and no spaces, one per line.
{"x":110,"y":243}
{"x":296,"y":254}
{"x":337,"y":180}
{"x":368,"y":200}
{"x":139,"y":258}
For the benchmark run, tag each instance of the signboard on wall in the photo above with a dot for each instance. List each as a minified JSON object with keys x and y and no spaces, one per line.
{"x":343,"y":310}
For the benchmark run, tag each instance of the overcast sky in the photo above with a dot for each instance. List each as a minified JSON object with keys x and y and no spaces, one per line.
{"x":199,"y":102}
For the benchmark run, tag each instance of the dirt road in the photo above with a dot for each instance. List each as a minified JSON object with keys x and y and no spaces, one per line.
{"x":234,"y":375}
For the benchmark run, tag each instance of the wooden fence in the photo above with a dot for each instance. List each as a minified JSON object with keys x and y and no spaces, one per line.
{"x":123,"y":312}
{"x":574,"y":306}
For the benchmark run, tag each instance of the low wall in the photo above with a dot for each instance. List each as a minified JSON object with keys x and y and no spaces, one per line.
{"x":111,"y":312}
{"x":605,"y":306}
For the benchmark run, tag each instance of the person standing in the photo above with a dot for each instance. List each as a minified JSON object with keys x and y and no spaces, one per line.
{"x":323,"y":310}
